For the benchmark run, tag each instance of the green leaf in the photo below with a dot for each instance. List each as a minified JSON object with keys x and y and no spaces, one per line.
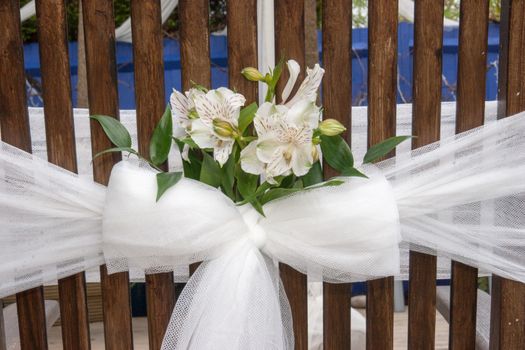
{"x":258,"y":206}
{"x":336,"y":152}
{"x":160,"y":144}
{"x":382,"y":149}
{"x":228,"y":178}
{"x":314,"y":175}
{"x":246,"y":116}
{"x":246,"y":183}
{"x":353,"y":172}
{"x":165,"y":181}
{"x":188,"y":141}
{"x":115,"y":149}
{"x":115,"y":131}
{"x":210,"y":171}
{"x":276,"y":193}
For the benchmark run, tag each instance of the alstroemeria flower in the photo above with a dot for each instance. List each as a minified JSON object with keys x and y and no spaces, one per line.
{"x":308,"y":88}
{"x":216,"y":107}
{"x":183,"y":110}
{"x":284,"y":143}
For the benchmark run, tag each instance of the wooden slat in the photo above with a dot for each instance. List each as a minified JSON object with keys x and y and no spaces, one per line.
{"x":428,"y":37}
{"x":61,"y":150}
{"x":382,"y":82}
{"x":14,"y":127}
{"x":32,"y":319}
{"x":470,"y":111}
{"x":149,"y":97}
{"x":99,"y":31}
{"x":508,"y":297}
{"x":337,"y":104}
{"x":289,"y":44}
{"x":3,"y":345}
{"x":195,"y":42}
{"x":242,"y":45}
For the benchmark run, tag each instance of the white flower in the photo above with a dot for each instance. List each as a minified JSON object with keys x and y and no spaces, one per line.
{"x":308,"y":88}
{"x":183,"y":110}
{"x":216,"y":106}
{"x":284,"y":143}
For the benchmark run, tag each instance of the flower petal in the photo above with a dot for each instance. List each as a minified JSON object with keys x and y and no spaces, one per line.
{"x":302,"y":113}
{"x":249,"y":161}
{"x":268,"y":148}
{"x":180,"y":108}
{"x":309,"y":86}
{"x":293,"y":69}
{"x":202,"y":134}
{"x":222,"y":151}
{"x":277,"y":167}
{"x":302,"y":160}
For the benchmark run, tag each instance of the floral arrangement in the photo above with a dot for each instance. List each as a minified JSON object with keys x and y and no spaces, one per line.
{"x":254,"y":154}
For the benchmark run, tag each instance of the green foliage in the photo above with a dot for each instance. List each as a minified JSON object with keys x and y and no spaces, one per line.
{"x":165,"y":181}
{"x":210,"y":171}
{"x":246,"y":117}
{"x":160,"y":144}
{"x":336,"y":152}
{"x":116,"y":132}
{"x":382,"y":149}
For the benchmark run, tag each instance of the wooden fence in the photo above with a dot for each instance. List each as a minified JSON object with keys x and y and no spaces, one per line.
{"x":508,"y":297}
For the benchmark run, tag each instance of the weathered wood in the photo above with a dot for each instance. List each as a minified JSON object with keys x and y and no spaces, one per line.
{"x":470,"y":112}
{"x":99,"y":31}
{"x":14,"y":119}
{"x":61,"y":149}
{"x":149,"y":97}
{"x":508,"y":297}
{"x":289,"y":44}
{"x":337,"y":104}
{"x":14,"y":126}
{"x":382,"y":82}
{"x":195,"y":42}
{"x":32,"y":319}
{"x":242,"y":45}
{"x":428,"y":37}
{"x":2,"y":327}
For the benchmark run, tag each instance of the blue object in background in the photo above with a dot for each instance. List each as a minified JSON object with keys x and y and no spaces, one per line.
{"x":219,"y":69}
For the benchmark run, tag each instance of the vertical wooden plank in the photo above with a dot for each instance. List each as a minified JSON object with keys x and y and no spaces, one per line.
{"x":428,"y":44}
{"x":32,"y":319}
{"x":337,"y":104}
{"x":99,"y":31}
{"x":470,"y":111}
{"x":14,"y":119}
{"x":14,"y":126}
{"x":382,"y":83}
{"x":3,"y":345}
{"x":289,"y":44}
{"x":242,"y":45}
{"x":61,"y":150}
{"x":149,"y":97}
{"x":508,"y":297}
{"x":195,"y":42}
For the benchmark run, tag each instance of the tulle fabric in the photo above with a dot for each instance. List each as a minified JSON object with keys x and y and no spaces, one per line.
{"x":463,"y":198}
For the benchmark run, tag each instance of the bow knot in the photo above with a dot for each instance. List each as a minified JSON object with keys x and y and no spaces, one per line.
{"x":256,"y":232}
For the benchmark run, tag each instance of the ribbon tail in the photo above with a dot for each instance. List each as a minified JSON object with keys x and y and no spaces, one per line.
{"x":232,"y":302}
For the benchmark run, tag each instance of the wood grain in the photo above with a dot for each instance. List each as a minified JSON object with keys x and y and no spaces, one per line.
{"x":14,"y":127}
{"x":149,"y":97}
{"x":242,"y":46}
{"x":508,"y":297}
{"x":289,"y":44}
{"x":337,"y":104}
{"x":3,"y":345}
{"x":195,"y":42}
{"x":382,"y":83}
{"x":470,"y":112}
{"x":99,"y":32}
{"x":61,"y":150}
{"x":32,"y":319}
{"x":428,"y":44}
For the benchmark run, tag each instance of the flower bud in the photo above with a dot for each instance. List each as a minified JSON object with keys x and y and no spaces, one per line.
{"x":315,"y":153}
{"x":331,"y":127}
{"x":223,"y":128}
{"x":252,"y":74}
